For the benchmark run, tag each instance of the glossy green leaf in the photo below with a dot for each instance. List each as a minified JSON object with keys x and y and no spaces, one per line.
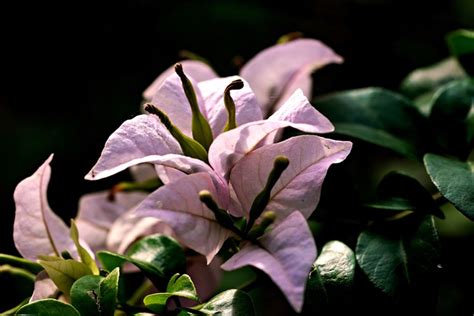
{"x":48,"y":307}
{"x":95,"y":295}
{"x":18,"y":262}
{"x":397,"y":259}
{"x":426,"y":79}
{"x":161,"y":251}
{"x":108,"y":292}
{"x":181,"y":286}
{"x":332,"y":276}
{"x":461,"y":45}
{"x":336,"y":266}
{"x":375,"y":115}
{"x":157,"y":256}
{"x":449,"y":113}
{"x":454,"y":179}
{"x":400,"y":192}
{"x":86,"y":258}
{"x":85,"y":295}
{"x":64,"y":272}
{"x":230,"y":302}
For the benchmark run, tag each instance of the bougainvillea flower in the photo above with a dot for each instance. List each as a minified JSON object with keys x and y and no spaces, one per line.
{"x":37,"y":230}
{"x":288,"y":249}
{"x":178,"y":204}
{"x":145,"y":135}
{"x":286,"y":254}
{"x":273,"y":74}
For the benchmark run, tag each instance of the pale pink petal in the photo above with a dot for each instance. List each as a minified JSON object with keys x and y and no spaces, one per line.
{"x":228,"y":148}
{"x":37,"y":230}
{"x":287,"y":256}
{"x":171,"y":99}
{"x":128,"y":228}
{"x":197,"y":70}
{"x":297,"y":109}
{"x":206,"y":278}
{"x":247,"y":108}
{"x":95,"y":236}
{"x":143,"y":172}
{"x":303,"y":81}
{"x":97,"y":212}
{"x":299,"y":186}
{"x":142,"y":136}
{"x":168,"y":174}
{"x":178,"y":205}
{"x":276,"y":69}
{"x":234,"y":208}
{"x":44,"y":287}
{"x":186,"y":165}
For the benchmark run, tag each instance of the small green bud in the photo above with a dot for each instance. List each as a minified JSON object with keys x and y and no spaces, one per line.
{"x":261,"y":200}
{"x":268,"y":218}
{"x":189,"y":146}
{"x":200,"y":126}
{"x":230,"y":105}
{"x":221,"y":215}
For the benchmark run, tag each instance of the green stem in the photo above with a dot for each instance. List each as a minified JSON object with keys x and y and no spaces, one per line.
{"x":140,"y":293}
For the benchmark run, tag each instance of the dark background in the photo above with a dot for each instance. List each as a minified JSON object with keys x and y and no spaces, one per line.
{"x":72,"y":72}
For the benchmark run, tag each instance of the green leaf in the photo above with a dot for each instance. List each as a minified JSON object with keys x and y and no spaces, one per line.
{"x":85,"y":295}
{"x":378,"y":116}
{"x":18,"y":262}
{"x":13,"y":310}
{"x":316,"y":297}
{"x":161,"y":251}
{"x":86,"y":258}
{"x":336,"y":266}
{"x":64,"y":272}
{"x":230,"y":302}
{"x":108,"y":292}
{"x":449,"y":117}
{"x":400,"y":192}
{"x":17,"y":284}
{"x":461,"y":42}
{"x":157,"y":256}
{"x":398,"y":259}
{"x":331,"y":280}
{"x":17,"y":272}
{"x":461,"y":45}
{"x":378,"y":137}
{"x":48,"y":307}
{"x":95,"y":295}
{"x":181,"y":286}
{"x":332,"y":277}
{"x":455,"y":180}
{"x":426,"y":79}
